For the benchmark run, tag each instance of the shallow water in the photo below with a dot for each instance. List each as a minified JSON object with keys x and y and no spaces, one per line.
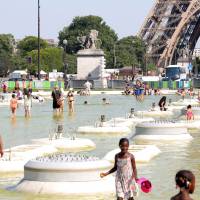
{"x":160,"y":170}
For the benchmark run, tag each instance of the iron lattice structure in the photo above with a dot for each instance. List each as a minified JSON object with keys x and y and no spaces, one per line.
{"x":171,"y":30}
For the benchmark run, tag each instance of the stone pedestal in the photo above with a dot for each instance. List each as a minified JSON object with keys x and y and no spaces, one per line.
{"x":90,"y":64}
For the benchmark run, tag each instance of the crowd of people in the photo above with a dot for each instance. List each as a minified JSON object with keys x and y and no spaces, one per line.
{"x":140,"y":89}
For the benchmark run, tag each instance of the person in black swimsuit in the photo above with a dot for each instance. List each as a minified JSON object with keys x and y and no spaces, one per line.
{"x":56,"y":95}
{"x":162,"y":103}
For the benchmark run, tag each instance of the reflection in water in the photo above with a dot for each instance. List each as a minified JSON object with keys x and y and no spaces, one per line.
{"x":13,"y":121}
{"x":58,"y":116}
{"x":19,"y":196}
{"x":71,"y":115}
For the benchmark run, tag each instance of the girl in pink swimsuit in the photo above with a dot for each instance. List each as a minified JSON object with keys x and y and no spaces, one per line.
{"x":13,"y":105}
{"x":189,"y":113}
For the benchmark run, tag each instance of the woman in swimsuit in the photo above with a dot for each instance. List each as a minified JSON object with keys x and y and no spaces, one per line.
{"x":70,"y":99}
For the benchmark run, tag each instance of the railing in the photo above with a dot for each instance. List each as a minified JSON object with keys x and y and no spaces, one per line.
{"x":112,"y":84}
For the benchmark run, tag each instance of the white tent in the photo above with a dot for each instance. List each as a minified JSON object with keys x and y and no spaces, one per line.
{"x":21,"y":72}
{"x":43,"y":72}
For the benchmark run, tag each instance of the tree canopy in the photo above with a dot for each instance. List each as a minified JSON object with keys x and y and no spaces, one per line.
{"x":6,"y":49}
{"x":29,"y":44}
{"x":51,"y":58}
{"x":130,"y":51}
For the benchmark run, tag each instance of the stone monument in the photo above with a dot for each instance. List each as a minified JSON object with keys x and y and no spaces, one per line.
{"x":90,"y":60}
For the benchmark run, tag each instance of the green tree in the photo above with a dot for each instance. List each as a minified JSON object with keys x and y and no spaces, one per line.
{"x":7,"y":42}
{"x":5,"y":64}
{"x":51,"y":58}
{"x":18,"y":62}
{"x":71,"y":63}
{"x":151,"y":67}
{"x":29,"y":44}
{"x":130,"y":51}
{"x":81,"y":26}
{"x":6,"y":49}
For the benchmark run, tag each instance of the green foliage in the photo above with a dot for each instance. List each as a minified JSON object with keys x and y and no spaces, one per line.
{"x":29,"y":44}
{"x":6,"y":43}
{"x":130,"y":51}
{"x":18,"y":62}
{"x":71,"y":64}
{"x":6,"y":48}
{"x":151,"y":67}
{"x":4,"y":63}
{"x":81,"y":26}
{"x":50,"y":58}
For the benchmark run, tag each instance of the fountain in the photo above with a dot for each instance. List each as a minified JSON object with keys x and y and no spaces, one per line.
{"x":15,"y":158}
{"x":186,"y":102}
{"x":154,"y":112}
{"x":66,"y":174}
{"x":102,"y":127}
{"x":161,"y":130}
{"x":142,"y":153}
{"x":69,"y":144}
{"x":129,"y":121}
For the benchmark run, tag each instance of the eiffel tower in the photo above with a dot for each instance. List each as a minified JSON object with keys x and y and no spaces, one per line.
{"x":171,"y":30}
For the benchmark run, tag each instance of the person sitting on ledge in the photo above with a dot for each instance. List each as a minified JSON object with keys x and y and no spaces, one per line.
{"x":153,"y":106}
{"x":131,"y":114}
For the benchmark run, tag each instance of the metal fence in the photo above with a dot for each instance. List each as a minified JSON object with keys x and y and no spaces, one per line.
{"x":112,"y":84}
{"x":79,"y":84}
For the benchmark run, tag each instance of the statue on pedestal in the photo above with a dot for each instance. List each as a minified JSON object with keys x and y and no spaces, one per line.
{"x":90,"y":41}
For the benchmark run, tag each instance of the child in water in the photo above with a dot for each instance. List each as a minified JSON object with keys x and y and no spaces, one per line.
{"x":27,"y":105}
{"x":126,"y":173}
{"x":189,"y":113}
{"x":105,"y":101}
{"x":185,"y":181}
{"x":13,"y":105}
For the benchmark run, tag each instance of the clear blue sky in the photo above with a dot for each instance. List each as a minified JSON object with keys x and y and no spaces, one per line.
{"x":19,"y":17}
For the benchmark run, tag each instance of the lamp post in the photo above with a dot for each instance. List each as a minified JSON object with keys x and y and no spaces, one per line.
{"x":114,"y":55}
{"x":145,"y":60}
{"x":133,"y":66}
{"x":64,"y":61}
{"x":38,"y":39}
{"x":196,"y":67}
{"x":189,"y":53}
